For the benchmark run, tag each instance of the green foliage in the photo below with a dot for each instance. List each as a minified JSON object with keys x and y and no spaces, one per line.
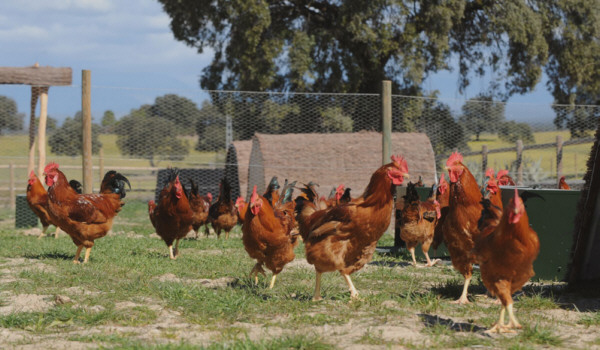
{"x":51,"y":124}
{"x":532,"y":170}
{"x":68,"y":139}
{"x":181,"y":111}
{"x":10,"y":118}
{"x":210,"y":128}
{"x":108,"y":121}
{"x":580,"y":120}
{"x":481,"y":114}
{"x":512,"y":131}
{"x":334,"y":120}
{"x":145,"y":136}
{"x":443,"y":131}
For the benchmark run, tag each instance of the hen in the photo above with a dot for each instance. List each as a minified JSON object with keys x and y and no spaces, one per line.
{"x":418,"y":222}
{"x":492,"y":205}
{"x":562,"y":184}
{"x":504,"y":179}
{"x":460,"y":224}
{"x":222,"y":214}
{"x":266,"y":234}
{"x":241,"y":206}
{"x":199,"y":205}
{"x":442,"y":197}
{"x":505,"y":258}
{"x":343,"y":238}
{"x":84,"y":217}
{"x":172,"y":217}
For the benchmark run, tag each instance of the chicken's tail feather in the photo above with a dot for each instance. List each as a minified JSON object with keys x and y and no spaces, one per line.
{"x":114,"y":182}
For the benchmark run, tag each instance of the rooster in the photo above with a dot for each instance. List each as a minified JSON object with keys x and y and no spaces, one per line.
{"x":222,"y":214}
{"x":562,"y":184}
{"x":460,"y":224}
{"x":343,"y":238}
{"x":84,"y":217}
{"x":418,"y":222}
{"x":505,"y":258}
{"x":199,"y":205}
{"x":172,"y":217}
{"x":266,"y":234}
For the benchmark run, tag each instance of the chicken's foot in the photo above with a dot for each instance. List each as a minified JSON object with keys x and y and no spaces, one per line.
{"x":512,"y":323}
{"x":353,"y":291}
{"x":76,"y":259}
{"x":431,"y":262}
{"x":500,"y":327}
{"x":463,"y":297}
{"x":317,"y":295}
{"x":256,"y":270}
{"x":412,"y":254}
{"x":43,"y":234}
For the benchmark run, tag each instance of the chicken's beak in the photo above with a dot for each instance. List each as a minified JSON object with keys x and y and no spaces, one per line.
{"x":406,"y":176}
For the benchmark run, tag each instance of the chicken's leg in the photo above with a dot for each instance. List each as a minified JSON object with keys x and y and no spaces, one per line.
{"x":87,"y":254}
{"x":171,"y":256}
{"x":463,"y":297}
{"x":317,"y":295}
{"x":512,"y":323}
{"x":499,"y":327}
{"x":412,"y":253}
{"x":272,"y":281}
{"x":226,"y":234}
{"x":429,"y":261}
{"x":353,"y":291}
{"x":255,"y":271}
{"x":176,"y":251}
{"x":57,"y":232}
{"x":43,"y":234}
{"x":76,"y":259}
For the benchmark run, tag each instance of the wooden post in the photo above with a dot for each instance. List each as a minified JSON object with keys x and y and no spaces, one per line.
{"x":519,"y":162}
{"x":386,"y":120}
{"x":559,"y":163}
{"x":86,"y":110}
{"x":42,"y":130}
{"x":11,"y":190}
{"x":484,"y":160}
{"x":101,"y":163}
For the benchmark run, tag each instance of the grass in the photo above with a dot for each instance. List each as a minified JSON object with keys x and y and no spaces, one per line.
{"x":130,"y":286}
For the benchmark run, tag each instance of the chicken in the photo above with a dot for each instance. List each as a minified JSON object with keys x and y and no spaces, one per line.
{"x":460,"y":224}
{"x":37,"y":199}
{"x":266,"y":234}
{"x":442,"y":196}
{"x":418,"y":222}
{"x":505,"y":258}
{"x":271,"y":193}
{"x":562,"y":184}
{"x":199,"y":205}
{"x":84,"y":217}
{"x":334,"y":198}
{"x":172,"y":217}
{"x":504,"y":179}
{"x":151,"y":209}
{"x":343,"y":238}
{"x":241,"y":206}
{"x":222,"y":214}
{"x":420,"y":182}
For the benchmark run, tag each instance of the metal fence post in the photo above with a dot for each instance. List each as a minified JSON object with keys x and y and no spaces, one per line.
{"x":559,"y":162}
{"x":386,"y":120}
{"x":519,"y":162}
{"x":86,"y":110}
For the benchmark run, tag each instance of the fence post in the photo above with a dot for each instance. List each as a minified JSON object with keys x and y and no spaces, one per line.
{"x":11,"y":190}
{"x":519,"y":162}
{"x":386,"y":120}
{"x":42,"y":129}
{"x":86,"y":110}
{"x":101,"y":163}
{"x":484,"y":160}
{"x":559,"y":163}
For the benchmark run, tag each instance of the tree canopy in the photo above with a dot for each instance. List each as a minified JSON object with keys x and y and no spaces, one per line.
{"x":482,"y":114}
{"x":351,"y":46}
{"x":68,"y":139}
{"x":10,"y":118}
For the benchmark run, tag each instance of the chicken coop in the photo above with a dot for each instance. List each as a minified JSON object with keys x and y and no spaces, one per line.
{"x":236,"y":166}
{"x":333,"y":159}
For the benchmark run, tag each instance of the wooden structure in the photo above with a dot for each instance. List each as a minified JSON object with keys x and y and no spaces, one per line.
{"x":40,"y":79}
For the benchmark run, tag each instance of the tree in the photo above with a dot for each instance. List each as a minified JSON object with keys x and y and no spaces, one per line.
{"x":512,"y":131}
{"x":444,"y":133}
{"x":143,"y":135}
{"x":10,"y":118}
{"x":108,"y":121}
{"x":68,"y":139}
{"x":180,"y":110}
{"x":51,"y":124}
{"x":481,"y":114}
{"x":334,"y":120}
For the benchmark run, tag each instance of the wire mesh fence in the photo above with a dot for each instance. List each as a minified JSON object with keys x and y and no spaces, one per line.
{"x":193,"y":129}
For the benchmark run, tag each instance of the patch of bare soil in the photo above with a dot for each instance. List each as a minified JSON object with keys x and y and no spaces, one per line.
{"x":26,"y":303}
{"x":222,"y":282}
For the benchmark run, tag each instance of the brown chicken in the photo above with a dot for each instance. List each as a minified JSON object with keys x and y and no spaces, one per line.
{"x":222,"y":214}
{"x":241,"y":206}
{"x":266,"y":234}
{"x":562,"y":184}
{"x":84,"y":217}
{"x":172,"y":217}
{"x":418,"y":222}
{"x":199,"y":205}
{"x":460,"y":224}
{"x":504,"y":179}
{"x":442,"y":196}
{"x":492,"y":205}
{"x":505,"y":258}
{"x":343,"y":238}
{"x":271,"y":193}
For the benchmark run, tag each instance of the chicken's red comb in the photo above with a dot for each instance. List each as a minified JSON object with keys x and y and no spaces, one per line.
{"x":400,"y":162}
{"x":340,"y":188}
{"x":31,"y":175}
{"x":454,"y":158}
{"x":443,"y":180}
{"x":239,"y":199}
{"x":50,"y":166}
{"x":490,"y":173}
{"x":502,"y":172}
{"x":151,"y":201}
{"x":209,"y":195}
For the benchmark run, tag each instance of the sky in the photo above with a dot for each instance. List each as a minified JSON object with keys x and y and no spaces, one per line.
{"x":134,"y":58}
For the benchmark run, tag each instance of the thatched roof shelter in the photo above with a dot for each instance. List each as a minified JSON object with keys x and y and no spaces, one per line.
{"x":334,"y":159}
{"x":236,"y":167}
